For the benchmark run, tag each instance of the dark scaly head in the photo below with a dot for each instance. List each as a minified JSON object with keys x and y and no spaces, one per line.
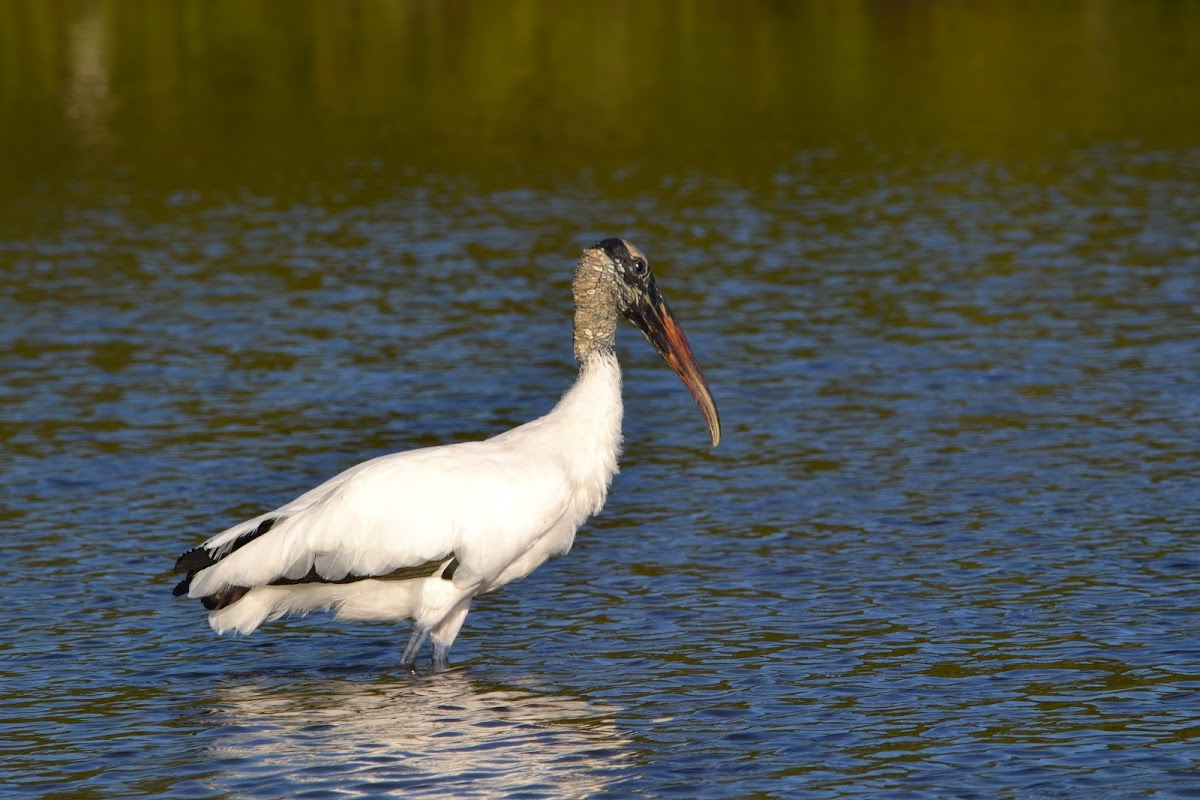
{"x":614,"y":276}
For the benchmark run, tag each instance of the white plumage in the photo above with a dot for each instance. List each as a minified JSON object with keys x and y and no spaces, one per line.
{"x":416,"y":535}
{"x":410,"y":508}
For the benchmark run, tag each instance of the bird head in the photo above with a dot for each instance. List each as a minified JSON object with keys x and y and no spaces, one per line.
{"x":620,"y":268}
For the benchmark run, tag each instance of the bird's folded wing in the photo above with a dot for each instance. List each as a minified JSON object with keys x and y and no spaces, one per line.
{"x":397,"y":513}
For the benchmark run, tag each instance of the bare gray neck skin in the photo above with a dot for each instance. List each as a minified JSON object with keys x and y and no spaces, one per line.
{"x":595,"y":307}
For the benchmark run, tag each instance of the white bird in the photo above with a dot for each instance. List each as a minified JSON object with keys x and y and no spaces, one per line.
{"x":417,"y":535}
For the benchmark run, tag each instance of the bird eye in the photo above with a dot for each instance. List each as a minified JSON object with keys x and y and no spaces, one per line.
{"x":640,"y":268}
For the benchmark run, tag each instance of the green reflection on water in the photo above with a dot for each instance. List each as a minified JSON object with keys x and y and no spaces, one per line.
{"x":282,"y":96}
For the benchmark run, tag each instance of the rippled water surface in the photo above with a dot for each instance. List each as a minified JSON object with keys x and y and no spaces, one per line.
{"x":946,"y":548}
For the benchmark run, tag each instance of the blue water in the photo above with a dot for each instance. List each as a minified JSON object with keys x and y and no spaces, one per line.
{"x":946,"y":547}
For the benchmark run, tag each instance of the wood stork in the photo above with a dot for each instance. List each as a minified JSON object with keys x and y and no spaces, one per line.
{"x":417,"y":535}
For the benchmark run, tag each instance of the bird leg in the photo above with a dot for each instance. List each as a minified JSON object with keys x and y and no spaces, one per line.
{"x":408,"y":660}
{"x":441,"y":656}
{"x":445,"y":632}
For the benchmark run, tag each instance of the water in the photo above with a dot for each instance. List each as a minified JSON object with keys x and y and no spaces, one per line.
{"x":946,"y":547}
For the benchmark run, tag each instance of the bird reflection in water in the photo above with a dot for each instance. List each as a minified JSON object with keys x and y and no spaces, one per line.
{"x":444,"y":735}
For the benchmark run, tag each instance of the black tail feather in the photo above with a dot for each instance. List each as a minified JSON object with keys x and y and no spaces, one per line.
{"x":198,"y":558}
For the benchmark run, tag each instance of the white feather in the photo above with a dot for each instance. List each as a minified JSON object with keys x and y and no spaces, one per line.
{"x":500,"y":506}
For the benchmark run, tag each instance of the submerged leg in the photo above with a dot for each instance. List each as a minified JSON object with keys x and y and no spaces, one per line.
{"x":409,"y":659}
{"x":441,"y":656}
{"x":445,"y":632}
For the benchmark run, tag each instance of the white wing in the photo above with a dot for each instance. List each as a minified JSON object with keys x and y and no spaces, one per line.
{"x":484,"y":502}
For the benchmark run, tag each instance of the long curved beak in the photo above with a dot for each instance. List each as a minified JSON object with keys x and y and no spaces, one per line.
{"x":652,"y":316}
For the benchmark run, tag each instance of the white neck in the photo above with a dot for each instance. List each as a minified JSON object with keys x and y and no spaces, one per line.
{"x":582,"y":433}
{"x":590,"y":415}
{"x":594,"y":410}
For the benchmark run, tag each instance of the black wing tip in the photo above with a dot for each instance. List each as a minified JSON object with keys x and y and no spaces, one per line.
{"x":194,"y":560}
{"x":199,"y":558}
{"x":190,"y":562}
